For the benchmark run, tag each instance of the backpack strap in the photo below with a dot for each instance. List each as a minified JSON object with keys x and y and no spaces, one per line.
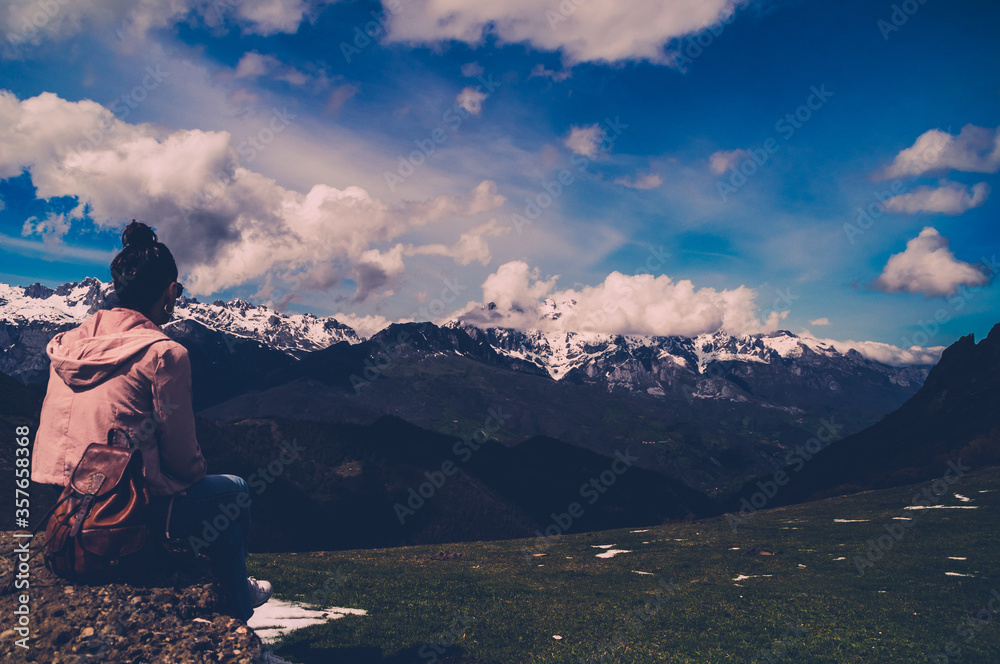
{"x":94,"y":483}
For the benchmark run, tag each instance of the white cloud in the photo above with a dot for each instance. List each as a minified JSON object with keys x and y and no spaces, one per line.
{"x":820,"y":321}
{"x":974,"y":150}
{"x":368,"y":325}
{"x":621,"y":304}
{"x":950,"y":198}
{"x":886,"y":353}
{"x":471,"y":100}
{"x":471,"y":245}
{"x":33,"y":21}
{"x":225,"y":224}
{"x":540,"y":71}
{"x":472,"y":69}
{"x":596,"y":30}
{"x":340,"y":96}
{"x":585,"y":141}
{"x":255,"y":65}
{"x":52,"y":228}
{"x":723,"y":160}
{"x":648,"y":181}
{"x":927,"y":266}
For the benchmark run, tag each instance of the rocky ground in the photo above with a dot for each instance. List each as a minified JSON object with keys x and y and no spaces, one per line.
{"x":171,"y":618}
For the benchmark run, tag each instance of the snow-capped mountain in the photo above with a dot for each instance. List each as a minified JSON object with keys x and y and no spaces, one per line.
{"x":30,"y":316}
{"x":716,"y":366}
{"x":658,"y":365}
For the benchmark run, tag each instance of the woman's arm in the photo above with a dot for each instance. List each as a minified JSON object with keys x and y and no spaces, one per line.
{"x":180,"y":454}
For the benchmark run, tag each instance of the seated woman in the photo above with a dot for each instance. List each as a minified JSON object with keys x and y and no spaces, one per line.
{"x":118,"y":369}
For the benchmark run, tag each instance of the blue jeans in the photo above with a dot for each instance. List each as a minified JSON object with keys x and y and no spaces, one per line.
{"x":213,"y":516}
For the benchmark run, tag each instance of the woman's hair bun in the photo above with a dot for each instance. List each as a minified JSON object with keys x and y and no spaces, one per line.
{"x":138,"y":235}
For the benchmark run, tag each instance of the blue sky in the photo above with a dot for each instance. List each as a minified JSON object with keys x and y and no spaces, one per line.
{"x":264,"y":144}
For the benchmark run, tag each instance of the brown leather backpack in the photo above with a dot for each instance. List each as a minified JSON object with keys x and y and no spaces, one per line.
{"x":100,"y":527}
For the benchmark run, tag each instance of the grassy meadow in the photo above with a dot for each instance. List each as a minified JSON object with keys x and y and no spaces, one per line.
{"x":699,"y":592}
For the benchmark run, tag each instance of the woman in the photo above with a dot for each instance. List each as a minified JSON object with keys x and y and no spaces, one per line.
{"x":118,"y":369}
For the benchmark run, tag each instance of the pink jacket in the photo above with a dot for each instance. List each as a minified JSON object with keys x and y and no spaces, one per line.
{"x":118,"y":369}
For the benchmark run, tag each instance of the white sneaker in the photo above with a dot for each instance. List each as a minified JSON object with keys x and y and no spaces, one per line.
{"x":260,"y":592}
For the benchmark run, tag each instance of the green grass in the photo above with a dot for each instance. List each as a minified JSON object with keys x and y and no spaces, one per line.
{"x":903,"y":609}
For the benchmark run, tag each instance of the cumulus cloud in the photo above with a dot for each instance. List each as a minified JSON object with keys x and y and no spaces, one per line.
{"x":927,"y":266}
{"x":950,"y":198}
{"x":974,"y":150}
{"x":31,"y":22}
{"x":255,"y":65}
{"x":471,"y":245}
{"x":471,"y":100}
{"x":225,"y":224}
{"x":621,"y":304}
{"x":887,"y":353}
{"x":585,"y":141}
{"x":820,"y":321}
{"x":52,"y":228}
{"x":540,"y":71}
{"x":598,"y":30}
{"x":723,"y":160}
{"x":648,"y":181}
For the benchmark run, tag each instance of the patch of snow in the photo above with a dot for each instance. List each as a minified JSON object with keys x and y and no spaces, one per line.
{"x":955,"y":574}
{"x":278,"y":617}
{"x":902,"y":518}
{"x":963,"y":498}
{"x":601,"y":546}
{"x":639,"y":531}
{"x":644,"y":573}
{"x":557,"y":637}
{"x":841,"y":558}
{"x":850,"y":520}
{"x":956,"y":558}
{"x":942,"y":507}
{"x":744,"y":577}
{"x":611,"y":553}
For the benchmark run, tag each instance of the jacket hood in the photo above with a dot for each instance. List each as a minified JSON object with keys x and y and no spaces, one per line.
{"x":87,"y":355}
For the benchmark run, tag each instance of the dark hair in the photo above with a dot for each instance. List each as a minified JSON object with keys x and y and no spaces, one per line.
{"x":142,"y":269}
